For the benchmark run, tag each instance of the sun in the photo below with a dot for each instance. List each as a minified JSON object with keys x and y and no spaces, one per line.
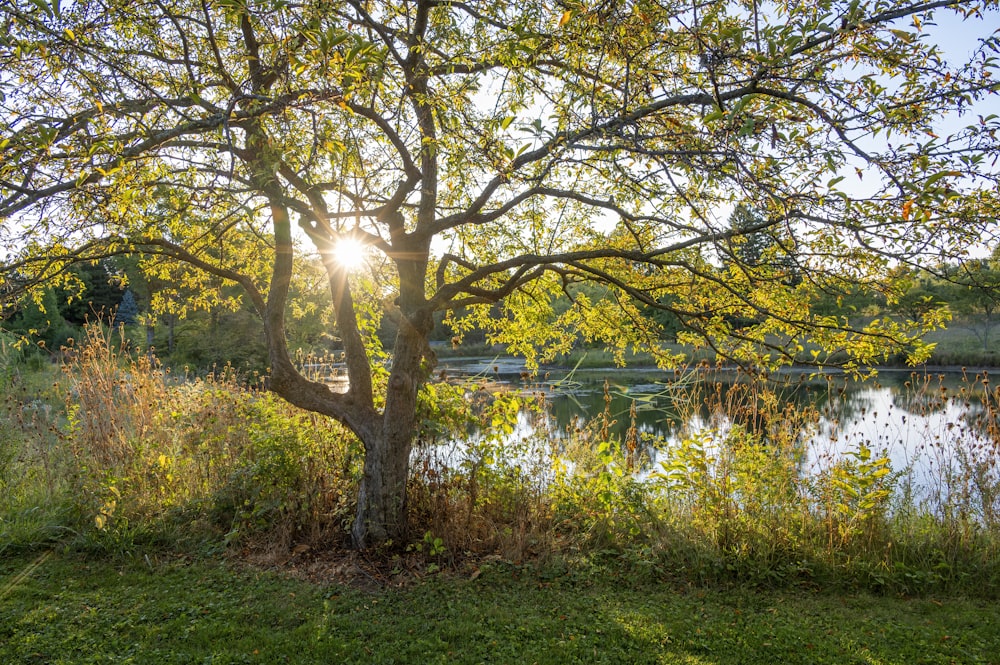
{"x":350,"y":254}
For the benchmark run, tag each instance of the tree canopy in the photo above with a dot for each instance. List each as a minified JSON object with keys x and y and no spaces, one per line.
{"x":485,"y":157}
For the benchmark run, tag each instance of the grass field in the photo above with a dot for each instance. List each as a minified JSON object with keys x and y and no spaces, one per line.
{"x":961,"y":344}
{"x":63,"y":608}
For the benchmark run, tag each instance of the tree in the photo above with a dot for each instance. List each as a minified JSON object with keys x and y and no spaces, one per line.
{"x":494,"y":154}
{"x":752,"y":240}
{"x":39,"y":319}
{"x":975,"y":295}
{"x":128,"y":310}
{"x":918,"y":292}
{"x":88,"y":293}
{"x":760,"y":247}
{"x":758,"y":254}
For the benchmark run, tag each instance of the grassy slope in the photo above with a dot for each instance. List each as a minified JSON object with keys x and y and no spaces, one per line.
{"x":71,"y":610}
{"x":954,"y":346}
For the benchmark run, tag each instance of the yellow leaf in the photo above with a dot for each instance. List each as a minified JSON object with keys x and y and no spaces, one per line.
{"x":567,"y":15}
{"x":99,"y":522}
{"x":68,"y":34}
{"x":906,"y":209}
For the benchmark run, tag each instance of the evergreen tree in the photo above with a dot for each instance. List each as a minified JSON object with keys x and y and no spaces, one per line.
{"x":759,"y":243}
{"x":41,"y":321}
{"x":127,"y":310}
{"x":97,"y":298}
{"x":751,"y":245}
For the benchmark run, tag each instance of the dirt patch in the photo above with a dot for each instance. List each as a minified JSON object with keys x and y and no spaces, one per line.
{"x":365,"y":571}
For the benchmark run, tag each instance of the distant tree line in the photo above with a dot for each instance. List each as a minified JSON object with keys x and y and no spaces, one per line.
{"x":186,"y":328}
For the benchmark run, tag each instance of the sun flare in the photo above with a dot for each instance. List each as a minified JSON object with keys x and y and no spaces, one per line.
{"x":350,"y":254}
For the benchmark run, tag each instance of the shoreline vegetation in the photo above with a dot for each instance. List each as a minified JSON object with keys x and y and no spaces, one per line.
{"x":132,"y":505}
{"x":110,"y":456}
{"x":954,"y":349}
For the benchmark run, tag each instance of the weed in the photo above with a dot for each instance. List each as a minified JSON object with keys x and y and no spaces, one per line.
{"x":121,"y":456}
{"x":139,"y":450}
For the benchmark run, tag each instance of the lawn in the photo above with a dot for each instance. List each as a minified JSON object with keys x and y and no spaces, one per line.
{"x":65,"y":608}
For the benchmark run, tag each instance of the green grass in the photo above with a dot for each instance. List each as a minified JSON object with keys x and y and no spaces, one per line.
{"x":956,"y":345}
{"x":67,"y":609}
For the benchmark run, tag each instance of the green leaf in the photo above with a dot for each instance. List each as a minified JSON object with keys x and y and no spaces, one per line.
{"x":717,"y":114}
{"x":44,"y":6}
{"x":903,"y":35}
{"x":939,"y":175}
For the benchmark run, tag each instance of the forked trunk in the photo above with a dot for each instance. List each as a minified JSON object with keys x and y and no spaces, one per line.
{"x":381,"y":516}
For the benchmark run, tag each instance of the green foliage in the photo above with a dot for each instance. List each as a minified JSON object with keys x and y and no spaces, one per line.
{"x":132,"y":459}
{"x":856,"y":494}
{"x":35,"y":490}
{"x":150,"y":453}
{"x":596,"y":496}
{"x":294,"y":480}
{"x":479,"y":485}
{"x":11,"y":355}
{"x":91,"y":292}
{"x":545,"y":175}
{"x":204,"y":342}
{"x":9,"y":454}
{"x":41,"y":322}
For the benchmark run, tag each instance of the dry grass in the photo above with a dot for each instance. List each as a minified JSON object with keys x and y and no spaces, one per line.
{"x":145,"y":457}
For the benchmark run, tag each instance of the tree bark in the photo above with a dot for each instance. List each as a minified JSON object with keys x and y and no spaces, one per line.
{"x":381,"y":516}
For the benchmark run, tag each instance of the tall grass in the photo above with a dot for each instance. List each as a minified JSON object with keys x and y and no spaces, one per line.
{"x":146,"y":456}
{"x":34,"y":503}
{"x":131,"y":456}
{"x":746,"y":491}
{"x":477,"y":485}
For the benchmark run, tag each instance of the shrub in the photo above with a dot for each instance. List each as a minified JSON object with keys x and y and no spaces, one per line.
{"x":151,"y":449}
{"x":138,"y":457}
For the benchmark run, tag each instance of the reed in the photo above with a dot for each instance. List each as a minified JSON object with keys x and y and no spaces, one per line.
{"x":121,"y":454}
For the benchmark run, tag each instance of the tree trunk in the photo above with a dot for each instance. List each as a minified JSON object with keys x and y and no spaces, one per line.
{"x":381,"y":515}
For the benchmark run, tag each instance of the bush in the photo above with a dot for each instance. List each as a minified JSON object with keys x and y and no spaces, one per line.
{"x":152,"y":452}
{"x":137,"y":457}
{"x":476,"y":485}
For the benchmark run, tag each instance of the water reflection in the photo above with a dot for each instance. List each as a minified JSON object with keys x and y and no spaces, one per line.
{"x":938,"y":427}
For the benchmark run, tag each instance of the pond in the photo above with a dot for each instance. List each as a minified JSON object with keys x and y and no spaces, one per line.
{"x":930,"y":424}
